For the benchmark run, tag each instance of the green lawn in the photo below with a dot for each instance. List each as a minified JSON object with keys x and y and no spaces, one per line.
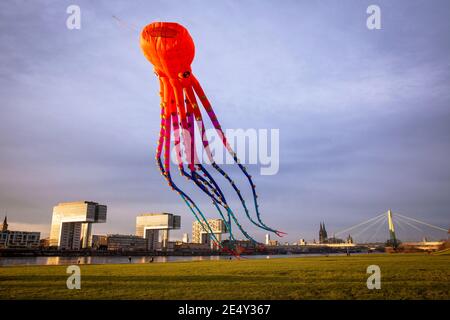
{"x":403,"y":276}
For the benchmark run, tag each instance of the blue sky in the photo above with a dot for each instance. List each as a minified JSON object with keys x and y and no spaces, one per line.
{"x":363,"y":114}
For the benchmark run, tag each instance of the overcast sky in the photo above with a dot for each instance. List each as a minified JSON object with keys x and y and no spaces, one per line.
{"x":364,"y":115}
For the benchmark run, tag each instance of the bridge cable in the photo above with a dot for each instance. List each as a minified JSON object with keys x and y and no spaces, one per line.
{"x":421,"y":222}
{"x":374,"y":236}
{"x":404,"y":230}
{"x":410,"y":224}
{"x":360,"y":224}
{"x":379,"y":218}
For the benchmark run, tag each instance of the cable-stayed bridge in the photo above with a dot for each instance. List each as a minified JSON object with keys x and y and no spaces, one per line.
{"x":394,"y":228}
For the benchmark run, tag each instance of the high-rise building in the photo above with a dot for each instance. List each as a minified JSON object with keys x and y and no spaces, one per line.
{"x":72,"y":224}
{"x":267,"y":239}
{"x":185,"y":238}
{"x":154,"y":227}
{"x":201,"y":232}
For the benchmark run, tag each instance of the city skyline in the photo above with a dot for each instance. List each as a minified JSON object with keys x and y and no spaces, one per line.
{"x":363,"y":114}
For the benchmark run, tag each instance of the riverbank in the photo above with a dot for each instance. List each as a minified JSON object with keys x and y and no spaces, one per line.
{"x":267,"y":250}
{"x":122,"y":259}
{"x":403,"y":276}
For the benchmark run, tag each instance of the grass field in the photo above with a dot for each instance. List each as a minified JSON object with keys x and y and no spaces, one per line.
{"x":403,"y":276}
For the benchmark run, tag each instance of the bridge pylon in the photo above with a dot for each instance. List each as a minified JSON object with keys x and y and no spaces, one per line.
{"x":392,"y":236}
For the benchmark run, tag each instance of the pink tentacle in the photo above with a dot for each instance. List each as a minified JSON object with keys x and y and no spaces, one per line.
{"x":200,"y":124}
{"x":212,"y":115}
{"x":188,"y":140}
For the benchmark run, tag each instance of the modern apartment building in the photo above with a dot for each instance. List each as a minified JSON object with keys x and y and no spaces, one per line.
{"x":155,"y":227}
{"x":201,"y":233}
{"x":72,"y":224}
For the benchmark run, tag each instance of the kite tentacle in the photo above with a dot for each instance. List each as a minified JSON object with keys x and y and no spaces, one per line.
{"x":206,"y":104}
{"x":195,"y":111}
{"x":204,"y":184}
{"x":183,"y":172}
{"x":190,"y":153}
{"x":194,"y":176}
{"x":215,"y":189}
{"x":165,"y":170}
{"x":199,"y":119}
{"x":189,"y":142}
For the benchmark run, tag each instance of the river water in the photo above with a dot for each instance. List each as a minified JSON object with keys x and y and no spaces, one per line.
{"x":24,"y":261}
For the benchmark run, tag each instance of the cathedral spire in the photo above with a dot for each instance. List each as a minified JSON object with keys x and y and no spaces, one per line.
{"x":323,"y":236}
{"x":5,"y":224}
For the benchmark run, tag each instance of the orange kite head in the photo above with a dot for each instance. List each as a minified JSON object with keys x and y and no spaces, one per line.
{"x":169,"y":47}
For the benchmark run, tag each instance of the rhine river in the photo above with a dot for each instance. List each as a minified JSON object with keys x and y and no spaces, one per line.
{"x":25,"y":261}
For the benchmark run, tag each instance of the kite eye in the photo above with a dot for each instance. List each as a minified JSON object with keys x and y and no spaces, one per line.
{"x":185,"y":74}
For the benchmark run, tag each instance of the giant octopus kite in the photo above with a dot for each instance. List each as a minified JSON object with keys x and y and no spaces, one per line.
{"x":169,"y":47}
